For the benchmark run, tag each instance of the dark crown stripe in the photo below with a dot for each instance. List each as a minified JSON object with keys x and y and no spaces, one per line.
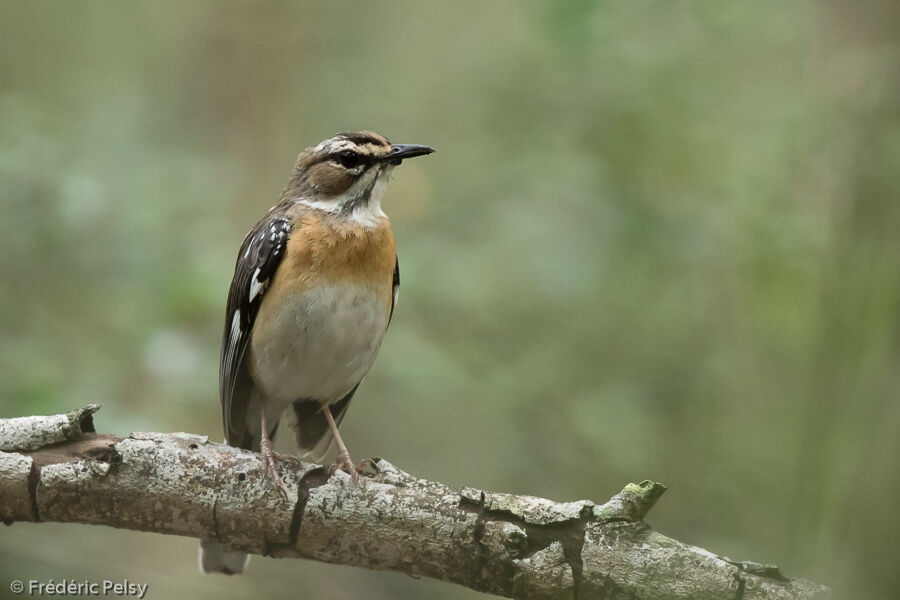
{"x":361,"y":137}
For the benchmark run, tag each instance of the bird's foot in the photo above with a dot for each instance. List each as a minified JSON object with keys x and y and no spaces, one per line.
{"x":270,"y":466}
{"x":344,"y":463}
{"x":369,"y":466}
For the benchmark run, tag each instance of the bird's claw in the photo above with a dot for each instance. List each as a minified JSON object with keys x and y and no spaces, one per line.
{"x":270,"y":469}
{"x":369,"y":466}
{"x":344,"y":463}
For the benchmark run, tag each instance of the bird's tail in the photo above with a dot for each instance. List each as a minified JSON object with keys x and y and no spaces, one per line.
{"x":216,"y":558}
{"x":313,"y":434}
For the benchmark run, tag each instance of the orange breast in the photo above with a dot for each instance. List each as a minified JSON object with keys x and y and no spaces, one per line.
{"x":324,"y":250}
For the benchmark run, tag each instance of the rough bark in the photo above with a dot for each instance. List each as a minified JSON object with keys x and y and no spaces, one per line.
{"x":57,"y":468}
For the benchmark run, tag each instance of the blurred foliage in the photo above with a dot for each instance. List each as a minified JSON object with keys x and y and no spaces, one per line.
{"x":658,"y":240}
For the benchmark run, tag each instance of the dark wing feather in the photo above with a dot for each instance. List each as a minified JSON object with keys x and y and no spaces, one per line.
{"x":395,"y":291}
{"x":259,"y":257}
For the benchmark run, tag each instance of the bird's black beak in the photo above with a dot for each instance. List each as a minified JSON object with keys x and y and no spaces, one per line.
{"x":400,"y":151}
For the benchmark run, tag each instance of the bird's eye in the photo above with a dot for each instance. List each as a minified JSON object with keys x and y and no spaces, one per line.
{"x":348,"y":159}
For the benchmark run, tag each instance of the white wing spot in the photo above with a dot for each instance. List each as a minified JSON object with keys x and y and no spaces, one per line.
{"x":233,"y":340}
{"x":236,"y":326}
{"x":255,"y":285}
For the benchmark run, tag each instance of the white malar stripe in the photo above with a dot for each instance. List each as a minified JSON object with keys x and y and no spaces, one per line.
{"x":366,"y":215}
{"x":255,"y":285}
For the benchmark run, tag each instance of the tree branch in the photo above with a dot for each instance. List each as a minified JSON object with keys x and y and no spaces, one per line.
{"x":57,"y":469}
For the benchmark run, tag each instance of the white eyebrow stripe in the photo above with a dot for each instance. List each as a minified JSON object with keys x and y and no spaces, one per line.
{"x":335,"y":146}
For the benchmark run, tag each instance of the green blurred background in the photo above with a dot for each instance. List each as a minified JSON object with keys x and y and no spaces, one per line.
{"x":658,"y":240}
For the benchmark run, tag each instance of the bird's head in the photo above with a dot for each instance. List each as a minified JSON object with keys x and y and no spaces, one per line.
{"x":348,"y":173}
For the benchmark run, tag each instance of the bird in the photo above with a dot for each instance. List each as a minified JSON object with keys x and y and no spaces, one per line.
{"x":314,"y":289}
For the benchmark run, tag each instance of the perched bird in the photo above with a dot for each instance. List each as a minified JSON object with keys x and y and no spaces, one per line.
{"x":313,"y":292}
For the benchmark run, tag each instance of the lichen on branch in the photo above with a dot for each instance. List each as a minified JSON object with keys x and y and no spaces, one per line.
{"x":56,"y":468}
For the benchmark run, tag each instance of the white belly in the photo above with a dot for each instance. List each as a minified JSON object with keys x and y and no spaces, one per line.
{"x":319,"y":344}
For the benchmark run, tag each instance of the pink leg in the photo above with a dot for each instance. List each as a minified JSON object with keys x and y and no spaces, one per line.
{"x":265,"y":448}
{"x":343,"y":460}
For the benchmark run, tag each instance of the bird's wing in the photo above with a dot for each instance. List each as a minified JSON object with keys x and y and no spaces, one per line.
{"x":395,"y":292}
{"x":259,"y":257}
